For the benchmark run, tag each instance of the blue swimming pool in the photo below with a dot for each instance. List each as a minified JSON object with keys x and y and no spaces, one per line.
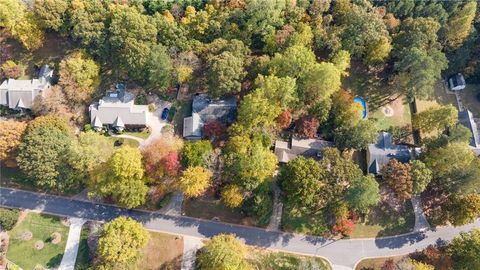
{"x":364,"y":105}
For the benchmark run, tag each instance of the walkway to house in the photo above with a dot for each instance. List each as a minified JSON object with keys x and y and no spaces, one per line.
{"x":73,"y":242}
{"x":276,"y":218}
{"x":174,"y":207}
{"x":155,"y":123}
{"x":421,"y":223}
{"x":190,"y":247}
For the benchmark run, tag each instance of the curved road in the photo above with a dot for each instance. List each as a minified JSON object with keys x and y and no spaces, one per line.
{"x":343,"y":254}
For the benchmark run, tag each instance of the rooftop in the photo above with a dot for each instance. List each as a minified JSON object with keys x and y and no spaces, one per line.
{"x":380,"y":153}
{"x":286,"y":151}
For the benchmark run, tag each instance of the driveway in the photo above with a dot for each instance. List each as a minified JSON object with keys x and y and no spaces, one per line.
{"x":155,"y":123}
{"x":341,"y":253}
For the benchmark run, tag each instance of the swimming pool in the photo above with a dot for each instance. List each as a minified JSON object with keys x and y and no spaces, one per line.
{"x":364,"y":105}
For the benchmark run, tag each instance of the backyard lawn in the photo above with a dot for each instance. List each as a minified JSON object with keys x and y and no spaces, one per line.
{"x":142,"y":135}
{"x":130,"y":142}
{"x":266,"y":260}
{"x":214,"y":209}
{"x":163,"y":251}
{"x":27,"y":253}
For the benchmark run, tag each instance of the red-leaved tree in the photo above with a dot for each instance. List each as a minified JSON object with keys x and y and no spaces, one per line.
{"x":307,"y":126}
{"x":344,"y":226}
{"x":171,"y":163}
{"x":214,"y":129}
{"x":284,"y":119}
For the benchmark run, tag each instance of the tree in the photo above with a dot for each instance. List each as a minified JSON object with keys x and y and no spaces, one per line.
{"x":398,"y":177}
{"x":449,"y":164}
{"x":53,"y":102}
{"x":464,"y":250}
{"x":120,"y":242}
{"x":11,"y":134}
{"x":295,"y":62}
{"x":50,"y":121}
{"x":52,"y":13}
{"x":171,"y":163}
{"x":21,"y":23}
{"x":154,"y":155}
{"x":256,"y":111}
{"x":435,"y":119}
{"x":460,"y":25}
{"x":301,"y":180}
{"x":319,"y":83}
{"x":225,"y":74}
{"x":307,"y":126}
{"x":284,"y":119}
{"x":223,"y":251}
{"x":122,"y":178}
{"x":463,"y":209}
{"x":11,"y":70}
{"x":341,"y":60}
{"x":357,"y":136}
{"x":214,"y":129}
{"x":232,"y":196}
{"x":160,"y":68}
{"x":79,"y":76}
{"x":363,"y":193}
{"x":282,"y":91}
{"x":41,"y":157}
{"x":89,"y":152}
{"x":194,"y":181}
{"x":344,"y":226}
{"x":421,"y":176}
{"x":132,"y":36}
{"x":248,"y":161}
{"x":8,"y":218}
{"x":88,"y":21}
{"x":196,"y":153}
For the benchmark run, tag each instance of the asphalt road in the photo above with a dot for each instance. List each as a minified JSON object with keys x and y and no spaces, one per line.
{"x":340,"y":253}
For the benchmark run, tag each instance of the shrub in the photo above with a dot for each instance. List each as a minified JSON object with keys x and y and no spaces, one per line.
{"x":151,"y":107}
{"x":141,"y":99}
{"x":87,"y":127}
{"x":8,"y":218}
{"x":11,"y":70}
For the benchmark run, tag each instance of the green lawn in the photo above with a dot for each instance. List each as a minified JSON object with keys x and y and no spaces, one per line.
{"x":400,"y":118}
{"x":384,"y":221}
{"x":142,"y":135}
{"x":294,"y":220}
{"x":126,"y":141}
{"x":266,"y":260}
{"x":84,"y":262}
{"x":24,"y":253}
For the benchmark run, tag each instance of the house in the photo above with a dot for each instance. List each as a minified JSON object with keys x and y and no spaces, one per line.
{"x":466,"y":119}
{"x":117,"y":110}
{"x":286,"y":151}
{"x":20,"y":94}
{"x":205,"y":109}
{"x":380,"y":153}
{"x":456,"y":82}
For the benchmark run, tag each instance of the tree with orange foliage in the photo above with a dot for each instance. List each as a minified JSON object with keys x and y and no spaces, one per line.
{"x":214,"y":129}
{"x":307,"y":126}
{"x":284,"y":119}
{"x":344,"y":226}
{"x":171,"y":163}
{"x":154,"y":154}
{"x":11,"y":133}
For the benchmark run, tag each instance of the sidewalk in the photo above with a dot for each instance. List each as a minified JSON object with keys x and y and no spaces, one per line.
{"x":73,"y":242}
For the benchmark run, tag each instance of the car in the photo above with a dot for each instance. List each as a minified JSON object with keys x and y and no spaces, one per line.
{"x":164,"y":114}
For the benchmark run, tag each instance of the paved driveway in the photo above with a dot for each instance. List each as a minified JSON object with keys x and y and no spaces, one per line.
{"x":340,"y":253}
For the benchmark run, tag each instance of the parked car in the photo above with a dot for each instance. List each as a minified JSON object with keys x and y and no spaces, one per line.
{"x":456,"y":82}
{"x":164,"y":114}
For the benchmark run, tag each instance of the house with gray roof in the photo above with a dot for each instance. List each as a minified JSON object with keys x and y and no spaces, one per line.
{"x":311,"y":148}
{"x":205,"y":109}
{"x":20,"y":94}
{"x":380,"y":153}
{"x":466,"y":119}
{"x":117,"y":110}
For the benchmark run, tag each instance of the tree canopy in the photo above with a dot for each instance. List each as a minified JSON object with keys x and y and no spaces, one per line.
{"x":223,"y":251}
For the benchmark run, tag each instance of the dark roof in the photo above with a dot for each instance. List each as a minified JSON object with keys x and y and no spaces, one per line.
{"x":466,"y":119}
{"x":380,"y":153}
{"x":286,"y":151}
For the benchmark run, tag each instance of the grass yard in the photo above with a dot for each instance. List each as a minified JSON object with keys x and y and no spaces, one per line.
{"x":163,"y":251}
{"x":83,"y":262}
{"x":210,"y":209}
{"x":142,"y":135}
{"x":182,"y":109}
{"x":24,"y":252}
{"x":395,"y":113}
{"x":385,"y":221}
{"x":126,"y":141}
{"x":266,"y":260}
{"x":294,"y":220}
{"x":375,"y":264}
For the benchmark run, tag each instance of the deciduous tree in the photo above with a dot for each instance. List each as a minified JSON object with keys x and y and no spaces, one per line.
{"x":284,"y":119}
{"x":90,"y":151}
{"x":463,"y":209}
{"x":282,"y":91}
{"x":196,"y":153}
{"x":460,"y":25}
{"x":120,"y":242}
{"x":257,"y":112}
{"x":464,"y":250}
{"x":363,"y":193}
{"x":11,"y":70}
{"x":194,"y":181}
{"x":160,"y":68}
{"x":154,"y":155}
{"x":307,"y":126}
{"x":122,"y":178}
{"x":435,"y":119}
{"x":319,"y":83}
{"x":398,"y":177}
{"x":421,"y":176}
{"x":171,"y":163}
{"x":232,"y":196}
{"x":214,"y":129}
{"x":52,"y":13}
{"x":223,"y":251}
{"x":225,"y":74}
{"x":11,"y":134}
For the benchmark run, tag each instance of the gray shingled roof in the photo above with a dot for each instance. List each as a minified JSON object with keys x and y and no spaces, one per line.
{"x":204,"y":109}
{"x":380,"y":153}
{"x":466,"y":119}
{"x":286,"y":151}
{"x":115,"y":111}
{"x":12,"y":91}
